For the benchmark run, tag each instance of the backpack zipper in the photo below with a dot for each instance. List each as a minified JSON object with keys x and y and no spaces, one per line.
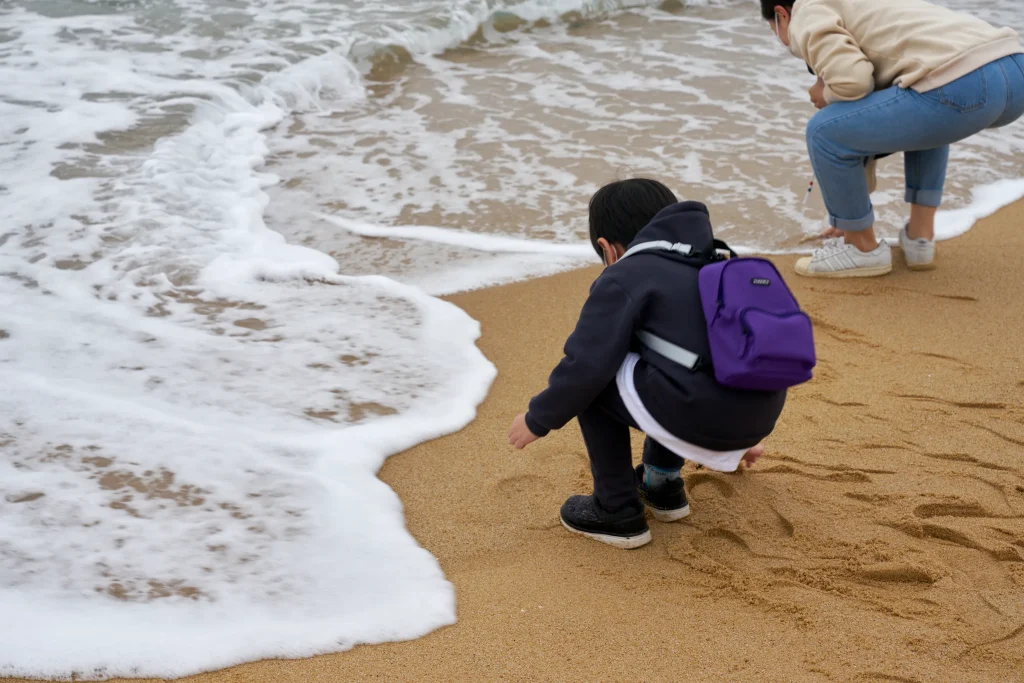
{"x":721,"y":282}
{"x":748,"y":309}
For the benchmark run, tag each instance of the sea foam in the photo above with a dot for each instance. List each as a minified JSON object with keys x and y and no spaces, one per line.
{"x":195,"y":409}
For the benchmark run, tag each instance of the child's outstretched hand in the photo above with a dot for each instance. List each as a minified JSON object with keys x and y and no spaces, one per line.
{"x":753,"y":455}
{"x":520,"y":435}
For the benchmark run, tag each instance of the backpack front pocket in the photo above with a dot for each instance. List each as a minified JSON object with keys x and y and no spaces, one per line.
{"x":780,"y":345}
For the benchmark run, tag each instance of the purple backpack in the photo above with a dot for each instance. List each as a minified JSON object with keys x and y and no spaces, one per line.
{"x":759,"y":338}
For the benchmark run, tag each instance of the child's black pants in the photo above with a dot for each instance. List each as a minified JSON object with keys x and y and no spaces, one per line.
{"x":605,"y":426}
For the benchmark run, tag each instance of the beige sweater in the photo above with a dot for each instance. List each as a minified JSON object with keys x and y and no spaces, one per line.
{"x":859,"y":46}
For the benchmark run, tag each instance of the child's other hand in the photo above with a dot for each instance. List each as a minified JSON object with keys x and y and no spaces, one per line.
{"x":817,"y":93}
{"x":520,"y":435}
{"x":753,"y":455}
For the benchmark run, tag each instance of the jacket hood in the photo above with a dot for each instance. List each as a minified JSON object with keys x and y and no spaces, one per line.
{"x":686,"y":222}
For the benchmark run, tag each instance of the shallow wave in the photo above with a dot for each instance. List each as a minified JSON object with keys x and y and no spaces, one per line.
{"x":512,"y":138}
{"x":479,"y":22}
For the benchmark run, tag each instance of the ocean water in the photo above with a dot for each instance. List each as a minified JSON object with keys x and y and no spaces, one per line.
{"x":223,"y":228}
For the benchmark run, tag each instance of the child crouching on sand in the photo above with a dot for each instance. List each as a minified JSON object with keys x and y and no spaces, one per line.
{"x":626,"y":365}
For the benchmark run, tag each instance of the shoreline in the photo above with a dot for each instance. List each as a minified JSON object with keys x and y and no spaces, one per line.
{"x":881,"y":536}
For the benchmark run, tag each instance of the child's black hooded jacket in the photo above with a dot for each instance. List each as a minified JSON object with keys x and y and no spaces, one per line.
{"x":658,"y":292}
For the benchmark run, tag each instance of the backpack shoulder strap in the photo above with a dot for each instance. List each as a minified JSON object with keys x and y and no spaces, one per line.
{"x":660,"y":245}
{"x":711,"y":254}
{"x":674,"y":352}
{"x":719,"y":245}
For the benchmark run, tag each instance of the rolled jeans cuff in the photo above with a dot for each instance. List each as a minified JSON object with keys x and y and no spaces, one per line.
{"x":848,"y":225}
{"x":931,"y":198}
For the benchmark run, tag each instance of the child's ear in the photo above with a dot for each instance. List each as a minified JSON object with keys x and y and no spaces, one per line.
{"x":610,"y":252}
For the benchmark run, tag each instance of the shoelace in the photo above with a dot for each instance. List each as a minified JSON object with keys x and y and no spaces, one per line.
{"x":832,"y":245}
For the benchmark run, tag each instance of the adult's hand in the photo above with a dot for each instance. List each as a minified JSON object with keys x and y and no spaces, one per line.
{"x":817,"y":93}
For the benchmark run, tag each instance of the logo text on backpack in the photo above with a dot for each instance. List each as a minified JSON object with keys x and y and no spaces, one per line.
{"x":760,"y":282}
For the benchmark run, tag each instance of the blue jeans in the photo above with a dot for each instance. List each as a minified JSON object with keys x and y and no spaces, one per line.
{"x":843,"y":135}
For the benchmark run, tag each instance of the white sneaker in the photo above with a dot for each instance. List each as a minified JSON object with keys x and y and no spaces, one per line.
{"x":919,"y":253}
{"x":839,"y":259}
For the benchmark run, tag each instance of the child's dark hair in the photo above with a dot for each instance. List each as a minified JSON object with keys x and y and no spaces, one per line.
{"x":768,"y":7}
{"x":619,"y":210}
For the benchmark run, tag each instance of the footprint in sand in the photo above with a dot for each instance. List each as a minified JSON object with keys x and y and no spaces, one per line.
{"x":940,"y":356}
{"x":978,"y":405}
{"x":896,"y":572}
{"x":842,"y":477}
{"x":532,"y":500}
{"x":965,"y":458}
{"x":523,"y":484}
{"x":875,"y":499}
{"x":722,"y":546}
{"x":694,"y":481}
{"x":875,"y":676}
{"x":961,"y":509}
{"x":948,"y":535}
{"x":785,"y":526}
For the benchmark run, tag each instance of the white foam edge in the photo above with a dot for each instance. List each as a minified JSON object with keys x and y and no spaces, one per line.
{"x":381,"y":436}
{"x":500,"y":269}
{"x":533,"y":258}
{"x":985,"y":201}
{"x":186,"y":628}
{"x":492,"y":244}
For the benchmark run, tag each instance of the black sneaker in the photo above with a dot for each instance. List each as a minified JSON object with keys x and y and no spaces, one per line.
{"x":625,"y":529}
{"x":666,"y":502}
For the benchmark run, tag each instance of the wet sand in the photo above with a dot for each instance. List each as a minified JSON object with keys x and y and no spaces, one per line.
{"x":881,"y":539}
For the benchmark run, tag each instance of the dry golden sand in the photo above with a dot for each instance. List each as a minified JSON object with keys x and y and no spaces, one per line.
{"x":881,"y":540}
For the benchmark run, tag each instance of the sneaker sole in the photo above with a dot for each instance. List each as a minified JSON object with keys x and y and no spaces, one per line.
{"x":622,"y":542}
{"x":921,"y":266}
{"x":670,"y":515}
{"x":877,"y":271}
